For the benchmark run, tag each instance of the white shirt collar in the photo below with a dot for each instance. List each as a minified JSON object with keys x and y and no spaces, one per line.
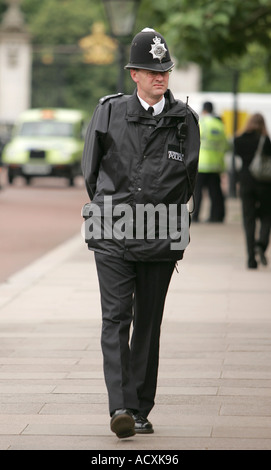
{"x":158,"y":107}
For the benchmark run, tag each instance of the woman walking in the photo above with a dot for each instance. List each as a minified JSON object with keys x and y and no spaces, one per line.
{"x":255,"y":195}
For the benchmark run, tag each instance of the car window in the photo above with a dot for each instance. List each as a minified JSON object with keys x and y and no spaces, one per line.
{"x":46,"y":129}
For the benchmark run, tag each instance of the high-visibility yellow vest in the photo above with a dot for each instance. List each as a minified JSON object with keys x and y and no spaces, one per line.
{"x":213,"y":145}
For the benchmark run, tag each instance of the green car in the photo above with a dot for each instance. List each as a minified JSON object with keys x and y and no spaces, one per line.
{"x":46,"y":142}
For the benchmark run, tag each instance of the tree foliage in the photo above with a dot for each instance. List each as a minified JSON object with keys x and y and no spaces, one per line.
{"x":60,"y":77}
{"x":228,"y":33}
{"x":220,"y":36}
{"x":60,"y":21}
{"x":204,"y":30}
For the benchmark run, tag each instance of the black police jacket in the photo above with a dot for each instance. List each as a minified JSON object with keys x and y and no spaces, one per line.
{"x":132,"y":160}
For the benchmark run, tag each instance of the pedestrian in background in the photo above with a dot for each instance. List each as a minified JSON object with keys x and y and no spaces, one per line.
{"x":255,"y":195}
{"x":136,"y":152}
{"x":211,"y":164}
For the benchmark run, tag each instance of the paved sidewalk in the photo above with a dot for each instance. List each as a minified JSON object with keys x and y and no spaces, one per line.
{"x":214,"y":387}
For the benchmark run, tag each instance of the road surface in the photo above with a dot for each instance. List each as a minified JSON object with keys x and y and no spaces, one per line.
{"x":35,"y":219}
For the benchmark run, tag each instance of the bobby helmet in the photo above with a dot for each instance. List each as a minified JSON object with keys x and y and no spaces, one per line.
{"x":149,"y":51}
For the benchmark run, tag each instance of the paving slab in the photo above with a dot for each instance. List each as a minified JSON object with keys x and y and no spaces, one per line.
{"x":214,"y":385}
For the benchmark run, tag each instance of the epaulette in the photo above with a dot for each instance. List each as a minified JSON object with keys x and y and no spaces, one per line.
{"x":108,"y":97}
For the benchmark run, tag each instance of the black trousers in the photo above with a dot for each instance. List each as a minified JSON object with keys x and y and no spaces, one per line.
{"x":256,"y":205}
{"x":212,"y":182}
{"x":131,"y":293}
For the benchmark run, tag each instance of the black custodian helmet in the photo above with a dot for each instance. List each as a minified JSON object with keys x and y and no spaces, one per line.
{"x":149,"y":51}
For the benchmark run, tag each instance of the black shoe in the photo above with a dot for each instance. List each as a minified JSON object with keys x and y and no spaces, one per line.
{"x":123,"y":424}
{"x":252,"y":264}
{"x":262,"y":256}
{"x":142,"y":425}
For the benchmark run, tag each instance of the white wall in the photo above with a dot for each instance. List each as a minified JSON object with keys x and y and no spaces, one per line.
{"x":186,"y":79}
{"x":247,"y":102}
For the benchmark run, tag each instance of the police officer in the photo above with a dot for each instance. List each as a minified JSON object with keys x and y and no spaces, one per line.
{"x":211,"y":164}
{"x":133,"y":157}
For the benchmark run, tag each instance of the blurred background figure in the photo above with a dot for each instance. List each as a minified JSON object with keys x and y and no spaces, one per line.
{"x":1,"y":164}
{"x":255,"y":195}
{"x":211,"y":164}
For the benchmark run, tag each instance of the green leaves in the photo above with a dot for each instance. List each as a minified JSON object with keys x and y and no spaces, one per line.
{"x":203,"y":30}
{"x":60,"y":22}
{"x":207,"y":32}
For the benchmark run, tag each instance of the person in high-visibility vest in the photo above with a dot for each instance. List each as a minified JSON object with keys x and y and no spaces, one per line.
{"x":211,"y":164}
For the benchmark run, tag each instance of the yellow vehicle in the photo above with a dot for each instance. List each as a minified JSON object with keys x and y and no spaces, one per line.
{"x":46,"y":142}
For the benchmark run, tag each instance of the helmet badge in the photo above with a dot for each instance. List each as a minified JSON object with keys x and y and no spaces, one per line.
{"x":158,"y":50}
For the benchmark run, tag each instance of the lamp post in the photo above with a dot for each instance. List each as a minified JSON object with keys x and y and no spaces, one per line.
{"x":232,"y":186}
{"x":121,"y":16}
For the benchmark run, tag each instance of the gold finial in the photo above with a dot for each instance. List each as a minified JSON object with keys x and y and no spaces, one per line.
{"x":98,"y":47}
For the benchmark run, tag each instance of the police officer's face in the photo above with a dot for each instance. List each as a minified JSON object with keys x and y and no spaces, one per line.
{"x":151,"y":86}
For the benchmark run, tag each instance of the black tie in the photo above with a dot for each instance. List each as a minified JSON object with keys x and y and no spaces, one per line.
{"x":150,"y":110}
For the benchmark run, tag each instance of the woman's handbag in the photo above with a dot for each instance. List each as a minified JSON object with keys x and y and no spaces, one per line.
{"x":260,"y":166}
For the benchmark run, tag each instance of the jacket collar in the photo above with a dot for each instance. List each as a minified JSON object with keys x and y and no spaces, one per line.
{"x":136,"y":112}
